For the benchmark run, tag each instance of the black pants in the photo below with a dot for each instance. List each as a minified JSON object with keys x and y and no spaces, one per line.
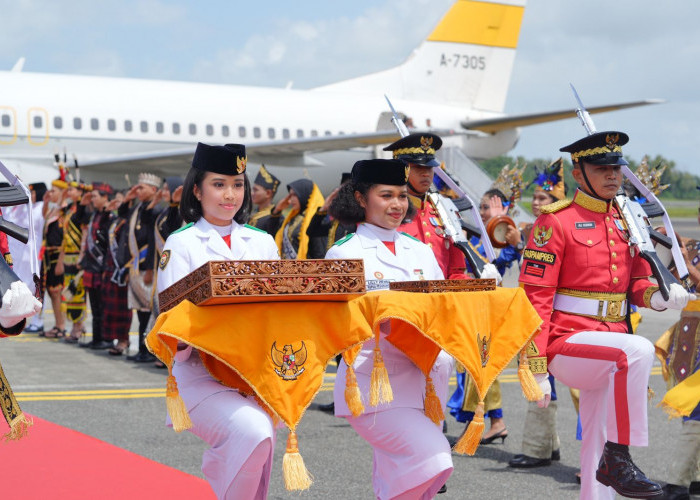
{"x":97,"y":313}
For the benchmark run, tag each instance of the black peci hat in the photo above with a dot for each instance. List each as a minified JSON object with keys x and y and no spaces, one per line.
{"x":601,"y":148}
{"x":417,"y":148}
{"x":266,"y":180}
{"x":392,"y":172}
{"x":229,"y":159}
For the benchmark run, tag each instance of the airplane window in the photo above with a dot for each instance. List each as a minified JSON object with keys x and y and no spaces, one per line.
{"x":144,"y":126}
{"x":57,"y":122}
{"x":241,"y":131}
{"x":256,"y":132}
{"x":176,"y":128}
{"x":210,"y":130}
{"x":314,"y":133}
{"x":285,"y":133}
{"x":271,"y":133}
{"x":193,"y":129}
{"x":159,"y":127}
{"x":225,"y":130}
{"x":94,"y":124}
{"x":77,"y":123}
{"x":300,"y":133}
{"x":128,"y":126}
{"x":37,"y":122}
{"x":112,"y":124}
{"x":328,"y":132}
{"x":5,"y":120}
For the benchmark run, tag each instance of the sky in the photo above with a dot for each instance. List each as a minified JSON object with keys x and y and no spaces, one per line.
{"x":619,"y":51}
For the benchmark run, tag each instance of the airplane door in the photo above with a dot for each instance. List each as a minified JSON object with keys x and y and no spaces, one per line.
{"x":38,"y":126}
{"x":8,"y":125}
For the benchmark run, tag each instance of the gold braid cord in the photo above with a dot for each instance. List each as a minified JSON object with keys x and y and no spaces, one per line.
{"x":10,"y":409}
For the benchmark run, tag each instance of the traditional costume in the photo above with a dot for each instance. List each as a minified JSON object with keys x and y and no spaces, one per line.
{"x":291,"y":238}
{"x":263,"y":219}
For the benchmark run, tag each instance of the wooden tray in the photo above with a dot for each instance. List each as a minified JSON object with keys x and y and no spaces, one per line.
{"x":230,"y":282}
{"x":428,"y":286}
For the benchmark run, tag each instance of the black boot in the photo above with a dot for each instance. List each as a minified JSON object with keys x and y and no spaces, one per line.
{"x":617,"y":470}
{"x":675,"y":492}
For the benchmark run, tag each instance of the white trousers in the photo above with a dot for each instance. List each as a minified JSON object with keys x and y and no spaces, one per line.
{"x":410,"y":453}
{"x":612,"y":372}
{"x":241,"y":435}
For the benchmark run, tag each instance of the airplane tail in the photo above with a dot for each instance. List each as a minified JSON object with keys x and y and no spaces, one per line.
{"x":466,"y":61}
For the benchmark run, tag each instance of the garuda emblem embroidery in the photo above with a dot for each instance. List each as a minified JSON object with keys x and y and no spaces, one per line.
{"x":288,"y":361}
{"x":541,"y":235}
{"x":611,"y":141}
{"x":484,"y":344}
{"x":241,"y":164}
{"x":426,"y":143}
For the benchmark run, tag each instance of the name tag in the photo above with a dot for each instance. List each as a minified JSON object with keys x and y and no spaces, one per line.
{"x":373,"y":285}
{"x":585,"y":225}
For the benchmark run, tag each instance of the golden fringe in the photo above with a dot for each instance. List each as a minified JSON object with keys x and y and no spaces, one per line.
{"x":531,"y":389}
{"x":650,"y":393}
{"x":670,"y":410}
{"x":353,"y":397}
{"x":432,"y":405}
{"x":296,"y":477}
{"x":19,"y":428}
{"x":471,"y":438}
{"x":379,"y":387}
{"x":176,"y":406}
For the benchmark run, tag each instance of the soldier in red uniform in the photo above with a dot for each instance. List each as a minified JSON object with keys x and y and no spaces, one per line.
{"x":581,"y":274}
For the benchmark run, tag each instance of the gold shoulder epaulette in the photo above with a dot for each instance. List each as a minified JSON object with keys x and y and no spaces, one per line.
{"x":555,"y":207}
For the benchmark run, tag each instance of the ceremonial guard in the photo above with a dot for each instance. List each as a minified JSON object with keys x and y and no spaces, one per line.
{"x":215,"y":203}
{"x":412,"y":458}
{"x":140,"y":247}
{"x":263,"y":192}
{"x":580,"y":273}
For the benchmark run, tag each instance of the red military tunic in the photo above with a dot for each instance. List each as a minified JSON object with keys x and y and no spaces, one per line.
{"x":581,"y":246}
{"x":426,"y":227}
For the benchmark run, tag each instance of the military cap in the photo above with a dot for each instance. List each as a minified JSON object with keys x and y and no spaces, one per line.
{"x":416,"y":148}
{"x":392,"y":172}
{"x":601,"y":148}
{"x":229,"y":159}
{"x":266,"y":180}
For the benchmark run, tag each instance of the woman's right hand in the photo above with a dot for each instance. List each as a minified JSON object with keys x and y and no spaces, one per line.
{"x":282,"y":204}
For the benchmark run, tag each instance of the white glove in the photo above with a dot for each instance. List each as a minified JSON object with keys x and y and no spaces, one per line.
{"x":677,"y":298}
{"x":17,"y":303}
{"x":542,"y":380}
{"x":490,"y":272}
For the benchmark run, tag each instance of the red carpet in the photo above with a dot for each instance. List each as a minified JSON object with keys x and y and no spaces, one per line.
{"x":54,"y":462}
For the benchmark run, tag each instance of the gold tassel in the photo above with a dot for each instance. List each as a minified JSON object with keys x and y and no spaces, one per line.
{"x":353,"y":397}
{"x":19,"y":428}
{"x":471,"y":438}
{"x":670,"y":410}
{"x":650,"y":394}
{"x":531,"y":389}
{"x":379,"y":386}
{"x":296,"y":477}
{"x":176,"y":406}
{"x":432,"y":405}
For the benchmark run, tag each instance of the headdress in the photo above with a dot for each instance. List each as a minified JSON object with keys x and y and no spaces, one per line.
{"x":551,"y":179}
{"x":650,"y":177}
{"x":510,"y":182}
{"x":266,"y":180}
{"x":150,"y":180}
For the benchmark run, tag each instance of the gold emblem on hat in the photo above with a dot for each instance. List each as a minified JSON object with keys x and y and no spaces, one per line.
{"x":426,"y":143}
{"x":611,"y":141}
{"x":240,"y":164}
{"x":407,"y":168}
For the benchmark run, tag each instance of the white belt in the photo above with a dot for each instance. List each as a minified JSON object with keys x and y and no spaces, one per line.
{"x":602,"y":310}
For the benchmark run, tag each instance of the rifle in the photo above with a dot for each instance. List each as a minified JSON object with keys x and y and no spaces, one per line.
{"x":449,"y":212}
{"x":636,"y":217}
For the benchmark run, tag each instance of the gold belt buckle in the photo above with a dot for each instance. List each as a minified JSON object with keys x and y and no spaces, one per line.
{"x":614,"y":309}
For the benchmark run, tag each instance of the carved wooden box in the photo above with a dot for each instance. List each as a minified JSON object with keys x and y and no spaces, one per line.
{"x":428,"y":286}
{"x":230,"y":281}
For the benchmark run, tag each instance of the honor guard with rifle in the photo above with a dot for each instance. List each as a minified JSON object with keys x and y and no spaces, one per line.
{"x":418,"y":152}
{"x":582,"y":268}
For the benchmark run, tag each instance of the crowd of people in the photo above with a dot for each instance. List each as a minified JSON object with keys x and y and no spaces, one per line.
{"x":117,"y":249}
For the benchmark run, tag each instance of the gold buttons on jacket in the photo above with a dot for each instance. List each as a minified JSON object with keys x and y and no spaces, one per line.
{"x":615,"y":279}
{"x":614,"y":267}
{"x":612,"y":243}
{"x":614,"y":255}
{"x":427,"y":234}
{"x":430,"y":245}
{"x":590,"y":242}
{"x":607,"y":219}
{"x":425,"y":223}
{"x":610,"y":230}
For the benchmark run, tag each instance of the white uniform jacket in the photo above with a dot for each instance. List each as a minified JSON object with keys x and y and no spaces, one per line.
{"x":414,"y":260}
{"x":194,"y":245}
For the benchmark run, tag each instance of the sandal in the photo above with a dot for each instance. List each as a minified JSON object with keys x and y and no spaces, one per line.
{"x":55,"y":333}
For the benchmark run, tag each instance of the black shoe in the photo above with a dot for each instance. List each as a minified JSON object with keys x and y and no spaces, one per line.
{"x":100,"y":345}
{"x":694,"y":488}
{"x":502,"y":435}
{"x":521,"y":461}
{"x":328,"y":408}
{"x":617,"y":470}
{"x":556,"y":455}
{"x":142,"y":357}
{"x":443,"y":489}
{"x":675,"y":492}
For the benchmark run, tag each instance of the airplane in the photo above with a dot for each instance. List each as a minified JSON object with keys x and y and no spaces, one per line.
{"x":454,"y":83}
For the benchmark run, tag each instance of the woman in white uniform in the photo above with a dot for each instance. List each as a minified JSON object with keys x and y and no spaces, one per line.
{"x":216,"y":201}
{"x":412,"y":458}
